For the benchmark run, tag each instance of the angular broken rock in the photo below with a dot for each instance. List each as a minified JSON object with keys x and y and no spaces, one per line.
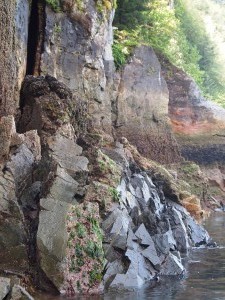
{"x":151,"y":254}
{"x":64,"y":187}
{"x":196,"y":232}
{"x":68,"y":154}
{"x":4,"y":287}
{"x":137,"y":263}
{"x":113,"y":268}
{"x":12,"y":232}
{"x":164,"y":242}
{"x":121,"y":223}
{"x":125,"y":281}
{"x":131,"y":238}
{"x":172,"y":266}
{"x":143,"y":235}
{"x":179,"y":230}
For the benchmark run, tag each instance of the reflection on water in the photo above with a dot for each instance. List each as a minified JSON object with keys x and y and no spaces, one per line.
{"x":204,"y":280}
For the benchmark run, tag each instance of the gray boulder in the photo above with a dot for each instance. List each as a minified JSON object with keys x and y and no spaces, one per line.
{"x":4,"y":287}
{"x":129,"y":280}
{"x":172,"y":266}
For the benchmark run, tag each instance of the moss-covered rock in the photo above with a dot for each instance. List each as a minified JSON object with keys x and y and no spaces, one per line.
{"x":85,"y":256}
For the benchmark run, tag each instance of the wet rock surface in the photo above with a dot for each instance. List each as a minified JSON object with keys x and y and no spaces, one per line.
{"x":146,"y":236}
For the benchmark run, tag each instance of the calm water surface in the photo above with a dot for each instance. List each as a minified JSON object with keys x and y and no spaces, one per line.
{"x":204,"y":279}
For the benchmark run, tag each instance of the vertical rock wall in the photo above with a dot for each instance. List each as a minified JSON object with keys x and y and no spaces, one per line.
{"x":43,"y":174}
{"x":141,"y":107}
{"x":77,"y":51}
{"x":14,"y":34}
{"x":197,"y":123}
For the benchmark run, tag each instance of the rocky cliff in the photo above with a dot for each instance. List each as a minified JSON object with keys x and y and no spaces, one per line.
{"x":82,"y":206}
{"x":198,"y":125}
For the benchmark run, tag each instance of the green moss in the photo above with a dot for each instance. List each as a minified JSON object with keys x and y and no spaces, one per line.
{"x":71,"y":236}
{"x":81,"y":230}
{"x":190,"y":168}
{"x":105,"y":5}
{"x":79,"y":4}
{"x":54,"y":4}
{"x":95,"y":275}
{"x":78,"y":250}
{"x":119,"y":54}
{"x":95,"y":227}
{"x":106,"y":164}
{"x":79,"y":262}
{"x":85,"y":252}
{"x":115,"y":194}
{"x":94,"y":250}
{"x":72,"y":266}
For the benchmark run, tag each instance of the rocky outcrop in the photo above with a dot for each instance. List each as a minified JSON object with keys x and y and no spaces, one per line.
{"x":58,"y":179}
{"x":145,"y":234}
{"x":13,"y":58}
{"x":141,"y":107}
{"x":134,"y":104}
{"x":77,"y":51}
{"x":23,"y":152}
{"x":197,"y":123}
{"x":53,"y":204}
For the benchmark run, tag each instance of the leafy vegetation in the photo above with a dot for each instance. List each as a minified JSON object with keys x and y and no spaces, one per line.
{"x":103,"y":5}
{"x":54,"y":4}
{"x":179,"y":33}
{"x":115,"y":194}
{"x":85,"y":255}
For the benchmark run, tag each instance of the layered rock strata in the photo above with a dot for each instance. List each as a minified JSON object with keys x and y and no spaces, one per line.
{"x":197,"y":123}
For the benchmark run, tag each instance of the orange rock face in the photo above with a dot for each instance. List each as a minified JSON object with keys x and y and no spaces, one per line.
{"x":190,"y":113}
{"x":197,"y":123}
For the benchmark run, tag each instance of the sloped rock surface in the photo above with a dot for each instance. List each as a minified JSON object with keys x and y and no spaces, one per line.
{"x":4,"y":287}
{"x":139,"y":246}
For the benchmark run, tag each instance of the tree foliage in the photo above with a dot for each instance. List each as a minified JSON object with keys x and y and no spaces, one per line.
{"x":177,"y":32}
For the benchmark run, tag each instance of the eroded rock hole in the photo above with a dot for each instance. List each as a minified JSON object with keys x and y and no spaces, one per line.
{"x":35,"y":37}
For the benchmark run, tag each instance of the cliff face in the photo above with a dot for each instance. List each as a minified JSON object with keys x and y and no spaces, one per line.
{"x":197,"y":123}
{"x":14,"y":36}
{"x":77,"y":51}
{"x":141,"y":107}
{"x":71,"y":183}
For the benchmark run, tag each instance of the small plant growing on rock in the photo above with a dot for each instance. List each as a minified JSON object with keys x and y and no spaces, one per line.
{"x":81,"y":230}
{"x":54,"y":4}
{"x":115,"y":194}
{"x":85,"y":256}
{"x":79,"y":4}
{"x":95,"y":275}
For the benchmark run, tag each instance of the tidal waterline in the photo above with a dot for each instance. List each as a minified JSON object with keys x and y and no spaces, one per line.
{"x":204,"y":278}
